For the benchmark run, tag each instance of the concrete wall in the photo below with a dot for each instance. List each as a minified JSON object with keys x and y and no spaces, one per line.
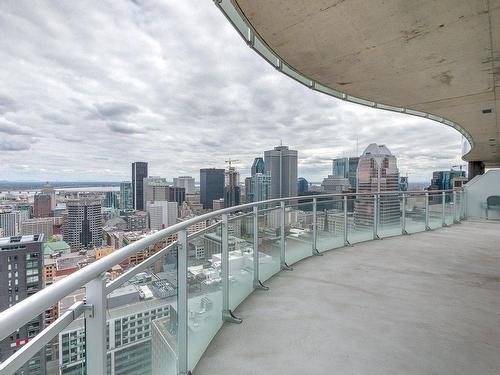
{"x":480,"y":188}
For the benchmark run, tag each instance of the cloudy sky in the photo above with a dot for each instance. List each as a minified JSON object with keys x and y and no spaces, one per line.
{"x":87,"y":87}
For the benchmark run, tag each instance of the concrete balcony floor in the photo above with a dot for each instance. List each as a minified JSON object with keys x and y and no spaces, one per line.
{"x":428,"y":303}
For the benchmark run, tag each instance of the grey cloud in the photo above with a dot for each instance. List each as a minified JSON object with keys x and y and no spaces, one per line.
{"x":184,"y":92}
{"x":114,"y":110}
{"x":125,"y":128}
{"x":7,"y":104}
{"x":8,"y":127}
{"x":14,"y":146}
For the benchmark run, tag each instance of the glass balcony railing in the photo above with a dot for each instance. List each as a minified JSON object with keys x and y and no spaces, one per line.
{"x":153,"y":306}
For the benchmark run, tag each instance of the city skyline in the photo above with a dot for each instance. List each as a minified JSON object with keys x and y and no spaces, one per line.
{"x":57,"y":121}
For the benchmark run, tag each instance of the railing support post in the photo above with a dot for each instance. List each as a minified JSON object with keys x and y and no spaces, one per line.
{"x":182,"y":303}
{"x":284,"y":266}
{"x":427,"y":227}
{"x":257,"y":284}
{"x":227,"y":314}
{"x":346,"y":239}
{"x":375,"y":216}
{"x":315,"y":228}
{"x":443,"y":209}
{"x":455,"y":220}
{"x":403,"y":215}
{"x":95,"y":326}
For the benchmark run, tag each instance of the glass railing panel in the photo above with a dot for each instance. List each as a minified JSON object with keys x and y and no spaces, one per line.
{"x":449,"y":208}
{"x":26,"y":333}
{"x":240,"y":258}
{"x":204,"y":289}
{"x":269,"y":242}
{"x":330,"y":223}
{"x":389,"y":211}
{"x":435,"y":210}
{"x":415,"y":213}
{"x":360,"y":222}
{"x":71,"y":347}
{"x":141,"y":331}
{"x":298,"y":232}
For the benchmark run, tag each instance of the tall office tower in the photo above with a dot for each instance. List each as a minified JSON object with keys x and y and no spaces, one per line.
{"x":186,"y":182}
{"x":403,"y":183}
{"x":281,"y":165}
{"x":139,"y":173}
{"x":232,"y":191}
{"x":302,"y":185}
{"x":335,"y":184}
{"x":158,"y":189}
{"x":443,"y":180}
{"x":43,"y":225}
{"x":261,"y":187}
{"x":10,"y":223}
{"x":377,"y":172}
{"x":21,"y":265}
{"x":211,"y":186}
{"x":176,"y":194}
{"x":248,"y":190}
{"x":258,"y":166}
{"x":346,"y":168}
{"x":126,"y":196}
{"x":162,"y":214}
{"x":47,"y":189}
{"x":82,"y":227}
{"x":110,"y":200}
{"x":42,"y":206}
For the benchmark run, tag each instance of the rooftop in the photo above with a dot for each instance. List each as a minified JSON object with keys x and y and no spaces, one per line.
{"x":424,"y":303}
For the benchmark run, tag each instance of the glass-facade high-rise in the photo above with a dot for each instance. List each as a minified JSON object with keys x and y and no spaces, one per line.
{"x":346,"y":168}
{"x":302,"y":185}
{"x":258,"y":166}
{"x":211,"y":186}
{"x":126,"y":196}
{"x":139,"y":173}
{"x":443,"y":180}
{"x":377,"y":172}
{"x":281,"y":165}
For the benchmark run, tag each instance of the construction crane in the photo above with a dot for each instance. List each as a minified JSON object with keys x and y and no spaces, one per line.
{"x":231,"y":161}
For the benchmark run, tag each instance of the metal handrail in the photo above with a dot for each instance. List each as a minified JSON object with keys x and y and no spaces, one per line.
{"x":22,"y":312}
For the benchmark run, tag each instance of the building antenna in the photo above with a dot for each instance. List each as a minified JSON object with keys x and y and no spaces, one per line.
{"x":357,"y":145}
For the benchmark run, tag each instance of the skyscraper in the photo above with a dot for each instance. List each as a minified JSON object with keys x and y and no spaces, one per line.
{"x":10,"y":223}
{"x":346,"y":168}
{"x":126,"y":196}
{"x":110,"y":200}
{"x":139,"y":173}
{"x":42,"y":206}
{"x":211,"y":186}
{"x":302,"y":185}
{"x":47,"y":189}
{"x":162,"y":214}
{"x":443,"y":180}
{"x":83,"y":224}
{"x":377,"y":172}
{"x":21,"y":265}
{"x":248,"y":190}
{"x":258,"y":166}
{"x":281,"y":165}
{"x":158,"y":189}
{"x":232,"y":191}
{"x":261,"y":187}
{"x":186,"y":182}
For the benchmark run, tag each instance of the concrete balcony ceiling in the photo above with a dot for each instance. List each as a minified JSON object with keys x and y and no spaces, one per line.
{"x":440,"y":57}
